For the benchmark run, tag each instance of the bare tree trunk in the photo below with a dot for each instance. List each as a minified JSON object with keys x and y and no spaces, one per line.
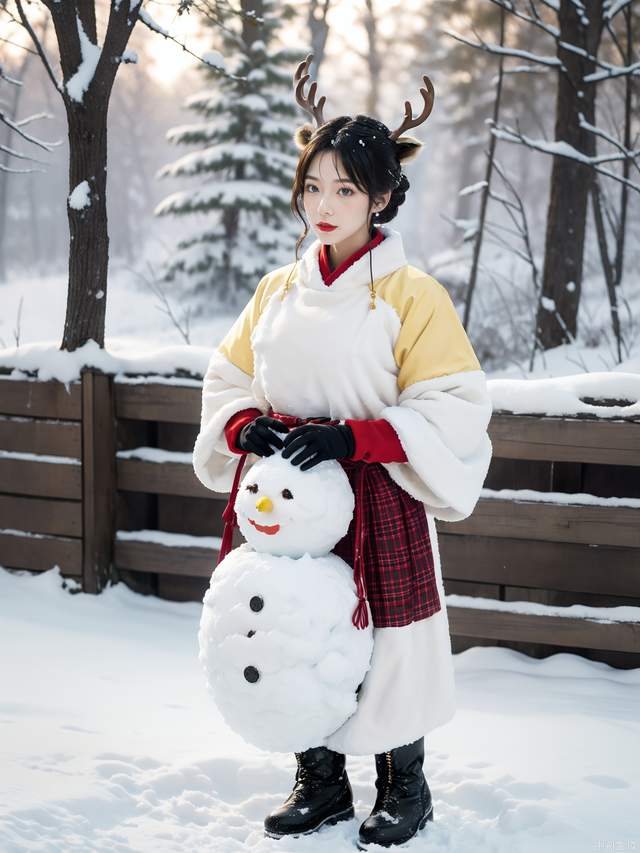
{"x":485,"y":192}
{"x":317,"y":23}
{"x":35,"y":218}
{"x":465,"y":166}
{"x":4,"y":159}
{"x":557,"y":318}
{"x":86,"y":105}
{"x":607,"y":266}
{"x":626,"y":165}
{"x":89,"y":238}
{"x":374,"y":62}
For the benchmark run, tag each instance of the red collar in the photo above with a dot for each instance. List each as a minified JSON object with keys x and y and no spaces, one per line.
{"x":329,"y":275}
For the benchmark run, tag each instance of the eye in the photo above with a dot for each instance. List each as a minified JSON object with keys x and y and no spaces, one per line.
{"x":310,"y":187}
{"x":287,"y":494}
{"x":350,"y":192}
{"x":253,"y":487}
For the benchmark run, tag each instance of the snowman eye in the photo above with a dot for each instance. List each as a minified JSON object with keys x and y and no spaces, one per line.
{"x":287,"y":494}
{"x":253,"y":487}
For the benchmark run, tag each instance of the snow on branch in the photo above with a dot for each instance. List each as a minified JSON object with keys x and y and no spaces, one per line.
{"x":212,"y":59}
{"x":17,"y":128}
{"x":613,"y":8}
{"x":18,"y":155}
{"x":608,"y":70}
{"x":510,"y":7}
{"x":611,"y":71}
{"x":597,"y":131}
{"x":12,"y":80}
{"x":11,"y":171}
{"x":551,"y":4}
{"x":550,"y":61}
{"x":78,"y":84}
{"x":559,"y":148}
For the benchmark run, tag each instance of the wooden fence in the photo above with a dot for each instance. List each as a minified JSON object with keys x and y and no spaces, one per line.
{"x":97,"y":479}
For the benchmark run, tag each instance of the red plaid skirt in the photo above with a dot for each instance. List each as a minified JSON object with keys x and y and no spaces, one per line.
{"x":398,"y":560}
{"x":395,"y":556}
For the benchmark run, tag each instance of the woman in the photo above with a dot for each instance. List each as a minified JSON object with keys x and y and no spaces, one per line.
{"x":350,"y":353}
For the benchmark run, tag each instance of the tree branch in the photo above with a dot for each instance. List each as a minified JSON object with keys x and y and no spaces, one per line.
{"x":548,"y":61}
{"x":16,"y":127}
{"x":632,"y":156}
{"x":554,"y":32}
{"x":20,"y":47}
{"x":562,"y":149}
{"x":148,"y":21}
{"x":38,"y":46}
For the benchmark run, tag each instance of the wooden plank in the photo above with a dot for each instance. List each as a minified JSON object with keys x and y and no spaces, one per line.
{"x":166,"y":478}
{"x":54,"y":438}
{"x":98,"y":479}
{"x":41,"y":553}
{"x":186,"y":515}
{"x":36,"y":399}
{"x":522,"y":519}
{"x":545,"y":565}
{"x":181,"y":587}
{"x":41,"y":479}
{"x":37,"y":515}
{"x":162,"y":559}
{"x":565,"y":439}
{"x":158,"y":402}
{"x":552,"y":630}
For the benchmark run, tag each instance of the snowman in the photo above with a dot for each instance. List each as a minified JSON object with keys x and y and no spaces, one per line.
{"x":281,"y":654}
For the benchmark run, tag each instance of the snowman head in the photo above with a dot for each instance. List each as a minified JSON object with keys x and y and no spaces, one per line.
{"x":284,"y":511}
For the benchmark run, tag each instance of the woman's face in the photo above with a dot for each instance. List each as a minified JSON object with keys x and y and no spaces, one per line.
{"x":330,"y":197}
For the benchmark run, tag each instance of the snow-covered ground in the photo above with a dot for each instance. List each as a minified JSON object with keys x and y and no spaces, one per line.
{"x":110,"y":742}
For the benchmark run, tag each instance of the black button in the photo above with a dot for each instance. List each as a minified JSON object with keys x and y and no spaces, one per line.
{"x":256,"y":604}
{"x":251,"y":674}
{"x":251,"y":633}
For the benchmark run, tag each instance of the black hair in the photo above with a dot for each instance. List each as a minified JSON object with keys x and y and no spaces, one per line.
{"x":370,"y":158}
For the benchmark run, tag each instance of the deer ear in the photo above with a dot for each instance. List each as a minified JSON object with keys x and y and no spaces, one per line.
{"x":302,"y":135}
{"x":408,"y":148}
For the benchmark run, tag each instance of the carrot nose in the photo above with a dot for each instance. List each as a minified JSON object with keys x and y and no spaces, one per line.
{"x":264,"y":504}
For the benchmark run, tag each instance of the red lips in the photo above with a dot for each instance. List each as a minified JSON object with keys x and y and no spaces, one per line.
{"x":324,"y":226}
{"x":265,"y":528}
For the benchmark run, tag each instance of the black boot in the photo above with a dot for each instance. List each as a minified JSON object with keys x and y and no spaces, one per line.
{"x":321,"y":795}
{"x":403,"y":804}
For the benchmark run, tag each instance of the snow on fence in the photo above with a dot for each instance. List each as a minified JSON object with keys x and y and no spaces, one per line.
{"x":98,"y":480}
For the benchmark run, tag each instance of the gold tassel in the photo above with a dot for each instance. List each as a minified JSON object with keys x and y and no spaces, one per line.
{"x":285,"y":288}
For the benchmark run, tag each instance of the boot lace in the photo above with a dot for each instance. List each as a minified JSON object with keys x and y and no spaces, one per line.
{"x":306,"y":783}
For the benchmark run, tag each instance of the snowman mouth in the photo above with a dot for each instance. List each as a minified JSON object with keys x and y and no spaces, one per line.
{"x":269,"y":529}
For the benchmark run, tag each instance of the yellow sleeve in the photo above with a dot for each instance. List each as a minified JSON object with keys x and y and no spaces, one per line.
{"x":432,"y":341}
{"x":236,"y":344}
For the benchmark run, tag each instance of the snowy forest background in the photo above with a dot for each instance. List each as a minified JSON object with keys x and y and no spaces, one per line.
{"x":201,"y":159}
{"x":146,"y":162}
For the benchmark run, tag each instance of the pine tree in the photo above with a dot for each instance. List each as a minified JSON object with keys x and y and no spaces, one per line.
{"x":244,"y":166}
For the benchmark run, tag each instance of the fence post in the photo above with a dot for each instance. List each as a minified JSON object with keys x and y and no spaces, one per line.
{"x":98,"y":479}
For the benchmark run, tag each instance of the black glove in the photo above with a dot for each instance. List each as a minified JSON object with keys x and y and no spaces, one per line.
{"x":258,"y":434}
{"x":320,"y":441}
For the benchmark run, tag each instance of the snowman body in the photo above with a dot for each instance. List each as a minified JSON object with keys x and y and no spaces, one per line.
{"x":281,"y":654}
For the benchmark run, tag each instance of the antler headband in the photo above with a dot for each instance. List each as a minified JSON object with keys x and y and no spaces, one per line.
{"x":315,"y":110}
